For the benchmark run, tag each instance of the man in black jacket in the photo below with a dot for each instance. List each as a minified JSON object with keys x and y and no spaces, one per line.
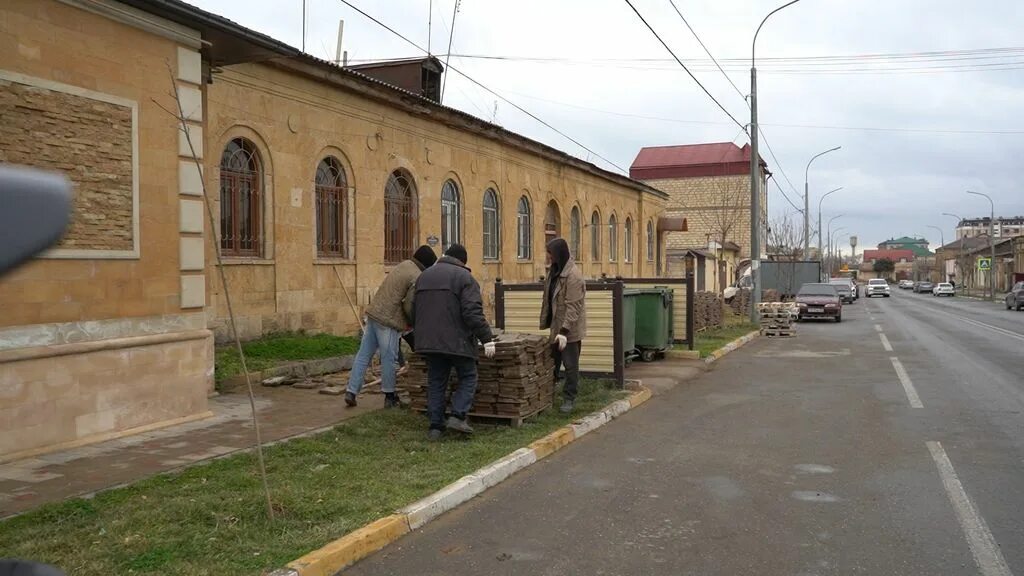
{"x":449,"y":321}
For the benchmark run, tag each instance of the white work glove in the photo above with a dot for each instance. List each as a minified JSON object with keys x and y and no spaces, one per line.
{"x":561,"y":342}
{"x":489,"y":349}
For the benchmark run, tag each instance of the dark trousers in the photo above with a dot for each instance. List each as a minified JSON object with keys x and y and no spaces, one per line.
{"x":570,"y":358}
{"x":439,"y":367}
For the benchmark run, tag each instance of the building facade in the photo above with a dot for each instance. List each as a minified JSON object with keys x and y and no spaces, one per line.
{"x":1001,"y":228}
{"x":318,"y":180}
{"x":710,"y":184}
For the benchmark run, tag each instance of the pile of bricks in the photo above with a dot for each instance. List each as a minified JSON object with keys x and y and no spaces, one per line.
{"x":740,"y":303}
{"x":517,"y":383}
{"x":707,"y":310}
{"x":777,"y":319}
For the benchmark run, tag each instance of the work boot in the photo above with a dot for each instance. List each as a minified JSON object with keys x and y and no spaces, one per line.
{"x":459,"y":425}
{"x":350,"y":399}
{"x":434,"y":435}
{"x":390,"y":400}
{"x":567,"y":407}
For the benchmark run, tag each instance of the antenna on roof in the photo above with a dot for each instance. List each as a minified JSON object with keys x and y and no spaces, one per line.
{"x":303,"y":26}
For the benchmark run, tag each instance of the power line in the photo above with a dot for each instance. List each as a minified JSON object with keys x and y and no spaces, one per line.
{"x":783,"y":172}
{"x":708,"y":52}
{"x":502,"y":98}
{"x":715,"y":100}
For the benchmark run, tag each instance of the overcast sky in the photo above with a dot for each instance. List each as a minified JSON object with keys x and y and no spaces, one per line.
{"x":596,"y":82}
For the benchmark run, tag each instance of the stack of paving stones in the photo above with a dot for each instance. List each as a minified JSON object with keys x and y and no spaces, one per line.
{"x":777,"y":319}
{"x":740,"y":303}
{"x":518,"y":382}
{"x":707,"y":310}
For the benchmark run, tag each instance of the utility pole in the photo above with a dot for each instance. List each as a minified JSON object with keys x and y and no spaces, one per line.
{"x":755,"y":179}
{"x":991,"y":244}
{"x":819,"y":213}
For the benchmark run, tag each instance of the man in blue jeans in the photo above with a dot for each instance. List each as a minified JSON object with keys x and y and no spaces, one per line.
{"x":449,"y":321}
{"x":389,"y":314}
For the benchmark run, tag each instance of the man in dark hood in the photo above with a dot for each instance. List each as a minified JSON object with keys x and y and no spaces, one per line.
{"x":389,"y":315}
{"x":449,"y":324}
{"x":564,"y":313}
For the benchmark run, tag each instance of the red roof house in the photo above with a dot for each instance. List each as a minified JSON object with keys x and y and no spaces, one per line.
{"x":691,"y":161}
{"x":894,"y":255}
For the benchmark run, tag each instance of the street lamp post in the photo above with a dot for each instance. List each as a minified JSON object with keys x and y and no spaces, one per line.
{"x":963,"y":275}
{"x":942,"y":239}
{"x":829,"y":236}
{"x":755,"y":179}
{"x":992,"y":245}
{"x":819,"y":215}
{"x":807,"y":221}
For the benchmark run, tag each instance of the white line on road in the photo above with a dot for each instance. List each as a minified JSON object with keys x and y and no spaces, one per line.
{"x":1003,"y":331}
{"x":885,"y":343}
{"x":878,"y":328}
{"x":983,"y":546}
{"x":908,"y":386}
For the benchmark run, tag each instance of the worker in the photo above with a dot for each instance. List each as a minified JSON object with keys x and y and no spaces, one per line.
{"x":389,"y":315}
{"x":449,"y":325}
{"x":564,"y":313}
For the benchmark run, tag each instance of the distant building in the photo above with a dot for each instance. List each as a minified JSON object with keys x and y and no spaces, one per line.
{"x":1002,"y":227}
{"x":919,"y":246}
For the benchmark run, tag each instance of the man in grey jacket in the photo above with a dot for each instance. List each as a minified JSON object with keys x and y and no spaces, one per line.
{"x":449,"y":322}
{"x":389,"y":315}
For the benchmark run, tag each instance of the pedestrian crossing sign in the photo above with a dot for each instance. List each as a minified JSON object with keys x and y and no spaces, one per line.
{"x":984,"y":263}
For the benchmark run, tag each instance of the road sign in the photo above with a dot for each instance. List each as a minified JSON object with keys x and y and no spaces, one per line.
{"x":984,"y":263}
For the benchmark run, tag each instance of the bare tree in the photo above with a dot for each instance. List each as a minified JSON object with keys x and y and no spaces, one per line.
{"x":785,"y":241}
{"x":730,"y":206}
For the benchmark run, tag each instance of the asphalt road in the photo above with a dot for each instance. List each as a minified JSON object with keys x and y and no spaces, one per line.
{"x":821,"y":454}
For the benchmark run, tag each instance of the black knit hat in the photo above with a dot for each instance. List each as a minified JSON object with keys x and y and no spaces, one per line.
{"x":425,"y":256}
{"x":457,"y":251}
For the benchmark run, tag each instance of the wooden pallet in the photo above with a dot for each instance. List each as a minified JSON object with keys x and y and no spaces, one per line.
{"x":778,"y":332}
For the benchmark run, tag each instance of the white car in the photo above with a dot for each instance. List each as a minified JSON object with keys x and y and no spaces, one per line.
{"x":943,"y":289}
{"x":877,"y":287}
{"x":906,"y":284}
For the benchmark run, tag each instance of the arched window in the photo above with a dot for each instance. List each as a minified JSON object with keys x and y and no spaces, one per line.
{"x":552,"y":222}
{"x":595,"y":236}
{"x":627,"y":232}
{"x":523,"y":231}
{"x":399,"y":217}
{"x":331,"y":209}
{"x":574,"y":232}
{"x":650,"y":241}
{"x":492,"y":226}
{"x":241,"y":199}
{"x":450,"y":215}
{"x":613,"y":239}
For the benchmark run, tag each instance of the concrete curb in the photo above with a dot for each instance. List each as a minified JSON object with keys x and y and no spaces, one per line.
{"x":357,"y":545}
{"x":731,"y":346}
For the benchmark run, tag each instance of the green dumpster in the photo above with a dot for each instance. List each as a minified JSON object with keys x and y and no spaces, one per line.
{"x":653,"y":331}
{"x":629,"y":300}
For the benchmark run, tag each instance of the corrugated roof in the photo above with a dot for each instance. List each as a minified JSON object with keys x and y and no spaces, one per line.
{"x":894,"y":255}
{"x":691,"y":155}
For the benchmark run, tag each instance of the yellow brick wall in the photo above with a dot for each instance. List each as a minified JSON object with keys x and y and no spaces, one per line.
{"x":294,"y":122}
{"x":709,"y":204}
{"x":54,"y":42}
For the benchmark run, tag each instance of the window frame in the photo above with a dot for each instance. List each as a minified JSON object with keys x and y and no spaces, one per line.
{"x":232,"y":244}
{"x":325,"y":194}
{"x":627,"y":240}
{"x":595,"y":236}
{"x":451,"y":215}
{"x":613,"y":238}
{"x":492,"y":250}
{"x":575,"y":232}
{"x":650,"y":241}
{"x":405,"y":208}
{"x":524,"y":232}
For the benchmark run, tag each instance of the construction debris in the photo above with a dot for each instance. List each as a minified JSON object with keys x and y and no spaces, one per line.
{"x":707,"y":310}
{"x":516,"y":384}
{"x":276,"y":381}
{"x":332,"y":390}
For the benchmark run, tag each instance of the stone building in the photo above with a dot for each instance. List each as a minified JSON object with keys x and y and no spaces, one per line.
{"x":317,"y":177}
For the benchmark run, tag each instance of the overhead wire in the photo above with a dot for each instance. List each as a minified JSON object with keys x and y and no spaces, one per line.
{"x":472,"y":80}
{"x":706,"y":51}
{"x":656,"y":35}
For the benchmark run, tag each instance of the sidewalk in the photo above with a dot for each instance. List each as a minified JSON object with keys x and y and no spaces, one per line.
{"x":283,"y":412}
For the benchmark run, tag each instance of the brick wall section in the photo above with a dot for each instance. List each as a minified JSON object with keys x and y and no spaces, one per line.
{"x":709,"y":204}
{"x":91,"y":142}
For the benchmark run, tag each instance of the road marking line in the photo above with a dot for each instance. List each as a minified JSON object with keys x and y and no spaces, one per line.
{"x":979,"y":324}
{"x":908,"y":386}
{"x":885,"y":343}
{"x":983,"y":546}
{"x":878,"y":328}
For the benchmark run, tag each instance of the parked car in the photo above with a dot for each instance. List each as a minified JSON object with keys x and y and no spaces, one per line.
{"x":923,"y":287}
{"x":943,"y":289}
{"x":819,"y":301}
{"x":1015,"y":297}
{"x":844,"y":288}
{"x":877,"y":287}
{"x":906,"y":284}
